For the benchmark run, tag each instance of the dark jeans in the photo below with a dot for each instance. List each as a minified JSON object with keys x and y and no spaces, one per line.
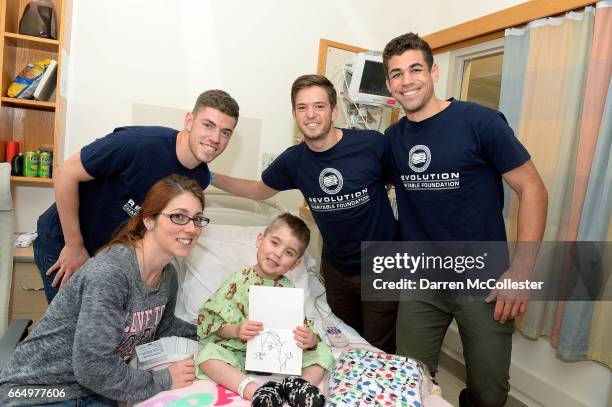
{"x":95,"y":400}
{"x":44,"y":257}
{"x":374,"y":320}
{"x":487,"y":344}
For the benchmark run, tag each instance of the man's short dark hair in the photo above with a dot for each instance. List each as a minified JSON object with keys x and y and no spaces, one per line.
{"x":298,"y":228}
{"x":403,"y":43}
{"x":307,"y":81}
{"x":219,"y":100}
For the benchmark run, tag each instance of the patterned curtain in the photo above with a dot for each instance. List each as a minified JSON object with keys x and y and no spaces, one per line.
{"x":555,"y":87}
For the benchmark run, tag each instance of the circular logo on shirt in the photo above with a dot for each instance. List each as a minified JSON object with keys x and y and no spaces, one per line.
{"x":419,"y":158}
{"x":330,"y":180}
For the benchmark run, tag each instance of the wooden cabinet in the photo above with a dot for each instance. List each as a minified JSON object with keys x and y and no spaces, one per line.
{"x":27,"y":300}
{"x":34,"y":124}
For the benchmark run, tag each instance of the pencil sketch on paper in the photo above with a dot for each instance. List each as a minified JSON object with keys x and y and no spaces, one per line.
{"x":259,"y":355}
{"x":274,"y":349}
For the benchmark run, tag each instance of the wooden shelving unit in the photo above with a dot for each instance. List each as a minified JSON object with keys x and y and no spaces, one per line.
{"x":28,"y":38}
{"x":34,"y":124}
{"x":28,"y":104}
{"x":31,"y":181}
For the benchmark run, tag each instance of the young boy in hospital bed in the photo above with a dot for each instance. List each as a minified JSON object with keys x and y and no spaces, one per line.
{"x":224,"y":328}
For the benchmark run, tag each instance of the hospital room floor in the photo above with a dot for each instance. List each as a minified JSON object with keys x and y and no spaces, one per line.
{"x":451,"y":386}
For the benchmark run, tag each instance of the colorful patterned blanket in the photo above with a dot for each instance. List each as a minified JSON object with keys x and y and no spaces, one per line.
{"x":373,"y":378}
{"x":369,"y":378}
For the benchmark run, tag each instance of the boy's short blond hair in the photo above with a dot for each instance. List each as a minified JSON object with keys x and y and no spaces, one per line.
{"x":298,"y":228}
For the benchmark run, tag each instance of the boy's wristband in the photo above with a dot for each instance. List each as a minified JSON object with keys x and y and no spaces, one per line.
{"x":243,"y":385}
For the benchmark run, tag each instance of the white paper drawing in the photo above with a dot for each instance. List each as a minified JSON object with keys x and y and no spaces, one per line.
{"x":280,"y":310}
{"x":274,"y":351}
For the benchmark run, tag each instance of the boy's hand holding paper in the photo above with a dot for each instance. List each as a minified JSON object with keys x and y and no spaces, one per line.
{"x":249,"y":329}
{"x":305,"y":338}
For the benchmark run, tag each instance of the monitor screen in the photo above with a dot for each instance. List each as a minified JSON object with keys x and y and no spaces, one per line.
{"x":373,"y":79}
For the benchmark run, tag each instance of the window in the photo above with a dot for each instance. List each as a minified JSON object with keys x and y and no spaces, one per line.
{"x":481,"y":81}
{"x":475,"y":73}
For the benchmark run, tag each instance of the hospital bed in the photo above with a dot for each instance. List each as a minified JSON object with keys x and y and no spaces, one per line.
{"x":226,"y":245}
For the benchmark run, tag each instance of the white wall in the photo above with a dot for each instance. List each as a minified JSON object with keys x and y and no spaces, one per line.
{"x":165,"y":53}
{"x":30,"y":202}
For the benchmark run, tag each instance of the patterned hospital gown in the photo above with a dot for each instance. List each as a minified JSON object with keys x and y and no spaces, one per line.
{"x":230,"y":305}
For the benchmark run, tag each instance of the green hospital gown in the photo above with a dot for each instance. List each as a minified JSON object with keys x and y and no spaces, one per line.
{"x":230,"y":305}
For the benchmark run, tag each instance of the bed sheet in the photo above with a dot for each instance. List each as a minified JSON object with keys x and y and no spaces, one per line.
{"x":208,"y":393}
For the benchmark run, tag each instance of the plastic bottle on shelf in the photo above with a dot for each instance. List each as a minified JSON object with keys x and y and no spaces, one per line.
{"x":38,"y":20}
{"x":12,"y":149}
{"x":17,"y":165}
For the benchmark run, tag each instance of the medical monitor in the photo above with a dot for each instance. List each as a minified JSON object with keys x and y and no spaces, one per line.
{"x":367,"y":84}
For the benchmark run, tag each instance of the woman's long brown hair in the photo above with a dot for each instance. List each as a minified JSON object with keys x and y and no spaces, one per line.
{"x":162,"y":192}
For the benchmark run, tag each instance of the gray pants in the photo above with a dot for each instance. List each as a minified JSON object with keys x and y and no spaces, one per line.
{"x":487,"y":344}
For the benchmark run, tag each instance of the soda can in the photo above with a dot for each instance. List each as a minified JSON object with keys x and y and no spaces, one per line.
{"x":30,"y":167}
{"x":44,"y":164}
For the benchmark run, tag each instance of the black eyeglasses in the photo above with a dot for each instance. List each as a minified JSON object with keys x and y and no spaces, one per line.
{"x":181,"y":219}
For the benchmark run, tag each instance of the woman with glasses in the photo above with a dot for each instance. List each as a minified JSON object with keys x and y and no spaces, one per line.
{"x":122,"y":297}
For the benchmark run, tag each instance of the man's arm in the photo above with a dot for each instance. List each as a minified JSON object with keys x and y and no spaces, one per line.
{"x":533,"y":201}
{"x":66,"y":185}
{"x":533,"y":206}
{"x":243,"y":187}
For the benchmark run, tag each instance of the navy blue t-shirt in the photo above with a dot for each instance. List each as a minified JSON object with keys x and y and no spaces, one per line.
{"x":447,"y":173}
{"x":344,"y":189}
{"x":125,"y":165}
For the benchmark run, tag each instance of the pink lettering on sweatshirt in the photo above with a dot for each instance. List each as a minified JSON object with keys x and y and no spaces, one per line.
{"x":139,"y":328}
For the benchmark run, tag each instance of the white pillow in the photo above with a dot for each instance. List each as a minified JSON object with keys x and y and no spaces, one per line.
{"x":220,"y":251}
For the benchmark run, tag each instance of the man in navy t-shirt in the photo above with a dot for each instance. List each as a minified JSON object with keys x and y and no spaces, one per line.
{"x":339,"y":172}
{"x":447,"y":159}
{"x":102,"y":186}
